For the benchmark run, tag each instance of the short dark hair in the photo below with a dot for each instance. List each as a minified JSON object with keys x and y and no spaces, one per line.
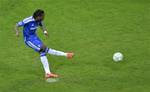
{"x":38,"y":12}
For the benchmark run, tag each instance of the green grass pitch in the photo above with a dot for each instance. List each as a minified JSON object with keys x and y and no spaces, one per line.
{"x":93,"y":30}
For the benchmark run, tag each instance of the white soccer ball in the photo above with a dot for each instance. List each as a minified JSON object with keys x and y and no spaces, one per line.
{"x":118,"y":57}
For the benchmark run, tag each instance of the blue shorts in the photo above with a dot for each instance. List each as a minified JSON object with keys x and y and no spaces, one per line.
{"x":34,"y":42}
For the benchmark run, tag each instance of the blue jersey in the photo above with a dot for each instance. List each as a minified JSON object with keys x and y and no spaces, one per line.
{"x":29,"y":26}
{"x":29,"y":31}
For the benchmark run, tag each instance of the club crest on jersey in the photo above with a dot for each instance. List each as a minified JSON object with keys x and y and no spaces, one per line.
{"x":32,"y":25}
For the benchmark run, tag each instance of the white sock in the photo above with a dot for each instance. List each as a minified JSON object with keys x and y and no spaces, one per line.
{"x":57,"y":53}
{"x":45,"y":63}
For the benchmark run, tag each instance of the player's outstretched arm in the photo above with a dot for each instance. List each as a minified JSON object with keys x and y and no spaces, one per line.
{"x":17,"y":30}
{"x":19,"y":24}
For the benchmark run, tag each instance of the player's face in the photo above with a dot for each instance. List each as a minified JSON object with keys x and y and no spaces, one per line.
{"x":40,"y":18}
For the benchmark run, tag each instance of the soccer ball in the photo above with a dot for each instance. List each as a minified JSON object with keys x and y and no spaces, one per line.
{"x":118,"y":57}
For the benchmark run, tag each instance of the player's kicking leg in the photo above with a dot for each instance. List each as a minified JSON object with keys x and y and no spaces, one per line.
{"x":37,"y":46}
{"x":69,"y":55}
{"x":44,"y":60}
{"x":43,"y":50}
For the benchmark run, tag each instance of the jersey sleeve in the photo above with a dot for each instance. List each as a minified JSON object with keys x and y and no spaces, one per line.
{"x":21,"y":23}
{"x":25,"y":21}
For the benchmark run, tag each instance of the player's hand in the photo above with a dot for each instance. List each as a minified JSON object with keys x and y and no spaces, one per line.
{"x":46,"y":33}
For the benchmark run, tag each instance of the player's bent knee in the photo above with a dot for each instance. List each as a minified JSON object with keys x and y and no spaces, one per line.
{"x":42,"y":54}
{"x":43,"y":48}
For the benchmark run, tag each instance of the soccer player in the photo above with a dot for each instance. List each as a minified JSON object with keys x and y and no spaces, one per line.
{"x":31,"y":39}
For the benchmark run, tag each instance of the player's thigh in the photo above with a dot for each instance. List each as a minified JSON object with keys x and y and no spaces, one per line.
{"x":36,"y":44}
